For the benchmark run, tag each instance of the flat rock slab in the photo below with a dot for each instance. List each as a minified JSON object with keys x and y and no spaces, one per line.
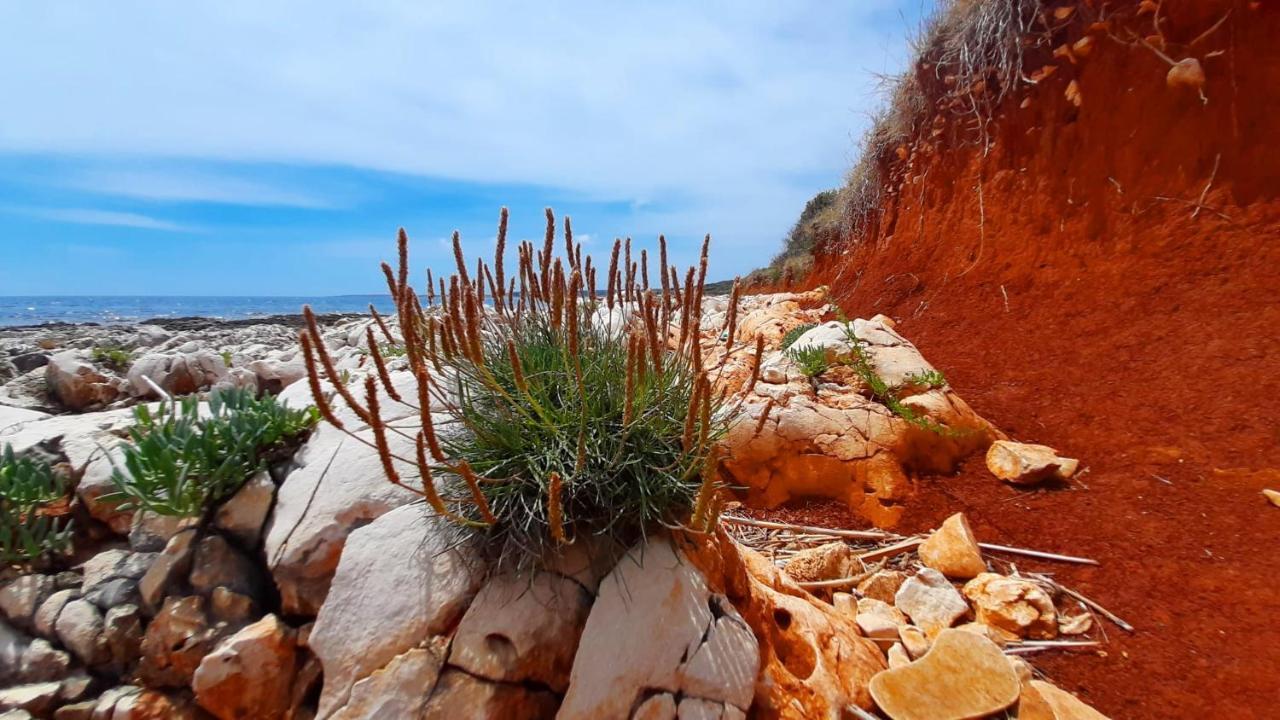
{"x":963,"y":676}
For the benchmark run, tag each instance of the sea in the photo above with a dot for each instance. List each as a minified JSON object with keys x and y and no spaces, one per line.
{"x":128,"y":309}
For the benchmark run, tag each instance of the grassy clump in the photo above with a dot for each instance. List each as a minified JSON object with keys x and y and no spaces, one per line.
{"x":27,"y":486}
{"x":811,"y":359}
{"x":116,"y":358}
{"x":926,"y":378}
{"x":181,"y":464}
{"x":794,"y":334}
{"x":573,"y":415}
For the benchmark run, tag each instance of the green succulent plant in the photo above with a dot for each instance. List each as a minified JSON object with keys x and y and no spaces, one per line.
{"x":27,"y":486}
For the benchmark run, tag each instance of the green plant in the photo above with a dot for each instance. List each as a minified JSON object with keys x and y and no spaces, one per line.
{"x":226,"y":358}
{"x":794,"y":334}
{"x":27,"y":486}
{"x":115,"y":357}
{"x":181,"y":463}
{"x":860,"y":361}
{"x":811,"y":359}
{"x":571,"y":415}
{"x":926,"y":378}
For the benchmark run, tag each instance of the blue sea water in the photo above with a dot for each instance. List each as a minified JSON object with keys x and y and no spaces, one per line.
{"x":109,"y":309}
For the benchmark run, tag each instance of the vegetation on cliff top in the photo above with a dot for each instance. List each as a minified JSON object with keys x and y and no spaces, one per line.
{"x":548,"y":412}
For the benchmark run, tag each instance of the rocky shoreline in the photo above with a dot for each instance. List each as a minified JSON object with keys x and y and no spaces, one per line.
{"x":69,"y":367}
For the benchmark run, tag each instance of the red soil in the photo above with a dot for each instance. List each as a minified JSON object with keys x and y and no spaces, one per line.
{"x":1071,"y":306}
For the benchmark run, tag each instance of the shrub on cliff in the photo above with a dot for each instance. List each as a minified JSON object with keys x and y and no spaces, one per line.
{"x":573,"y":414}
{"x":182,"y":462}
{"x":27,"y":488}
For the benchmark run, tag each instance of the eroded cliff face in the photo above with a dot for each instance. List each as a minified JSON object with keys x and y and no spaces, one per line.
{"x":1112,"y":162}
{"x":1100,"y":276}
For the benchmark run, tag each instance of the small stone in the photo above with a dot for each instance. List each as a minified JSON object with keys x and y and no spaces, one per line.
{"x":963,"y":676}
{"x":106,"y":565}
{"x":825,"y":562}
{"x":1015,"y":605}
{"x":882,"y":584}
{"x":250,"y":674}
{"x":952,"y":550}
{"x":168,"y":571}
{"x":845,"y":604}
{"x":79,"y":628}
{"x":37,"y":698}
{"x":76,"y":686}
{"x":230,"y":607}
{"x":898,"y":656}
{"x":994,"y":634}
{"x":49,"y":610}
{"x":122,"y":630}
{"x":931,"y":602}
{"x":42,"y":662}
{"x":661,"y":706}
{"x":76,"y":711}
{"x":120,"y":591}
{"x":879,"y":621}
{"x":218,"y":564}
{"x":1273,"y":496}
{"x":1064,"y":705}
{"x":1185,"y":73}
{"x":243,"y":516}
{"x":20,"y":599}
{"x":914,"y":640}
{"x":176,"y":641}
{"x":1027,"y":464}
{"x":1075,"y":624}
{"x":151,"y":532}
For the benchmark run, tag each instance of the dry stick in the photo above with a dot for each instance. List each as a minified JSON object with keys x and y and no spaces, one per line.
{"x":1205,"y":192}
{"x":1038,"y":554}
{"x":851,"y":534}
{"x":860,"y":713}
{"x":1101,"y":610}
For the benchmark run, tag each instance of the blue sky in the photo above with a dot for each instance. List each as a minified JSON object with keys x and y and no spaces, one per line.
{"x":274,"y":148}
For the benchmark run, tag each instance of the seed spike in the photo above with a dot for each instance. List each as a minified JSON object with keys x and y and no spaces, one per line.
{"x":731,"y":322}
{"x":755,"y":367}
{"x":629,"y":269}
{"x":402,"y":248}
{"x":459,"y":259}
{"x":499,"y":255}
{"x":644,"y":270}
{"x":381,"y":366}
{"x":313,"y":379}
{"x":322,"y":352}
{"x":380,"y":432}
{"x":613,"y":272}
{"x":482,"y":504}
{"x":555,"y":517}
{"x":392,"y":287}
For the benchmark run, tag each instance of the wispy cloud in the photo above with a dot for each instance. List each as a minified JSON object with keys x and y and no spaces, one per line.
{"x":86,"y":216}
{"x":181,"y":185}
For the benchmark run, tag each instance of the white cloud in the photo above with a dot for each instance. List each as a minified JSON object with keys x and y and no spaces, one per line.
{"x":86,"y":216}
{"x":710,"y":105}
{"x":184,"y":185}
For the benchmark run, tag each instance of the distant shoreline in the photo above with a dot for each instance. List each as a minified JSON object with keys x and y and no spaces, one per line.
{"x":192,"y":322}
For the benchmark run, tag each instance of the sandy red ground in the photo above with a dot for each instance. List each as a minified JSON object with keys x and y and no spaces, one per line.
{"x":1077,"y":302}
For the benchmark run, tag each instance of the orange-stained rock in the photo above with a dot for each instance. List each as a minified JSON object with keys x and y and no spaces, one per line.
{"x":827,"y":436}
{"x":831,"y":561}
{"x":813,"y":661}
{"x":1015,"y":605}
{"x":1063,"y":704}
{"x":952,"y":550}
{"x":1027,"y":464}
{"x":250,"y":674}
{"x":963,"y":676}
